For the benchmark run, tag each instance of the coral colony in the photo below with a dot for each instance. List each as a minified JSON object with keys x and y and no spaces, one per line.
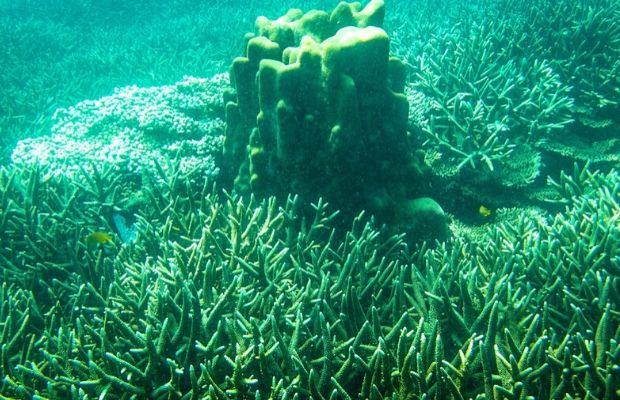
{"x":293,"y":233}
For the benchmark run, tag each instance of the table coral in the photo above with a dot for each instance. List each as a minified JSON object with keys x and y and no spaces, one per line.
{"x":523,"y":85}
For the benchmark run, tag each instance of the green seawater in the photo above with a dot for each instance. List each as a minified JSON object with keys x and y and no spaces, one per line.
{"x":176,"y":223}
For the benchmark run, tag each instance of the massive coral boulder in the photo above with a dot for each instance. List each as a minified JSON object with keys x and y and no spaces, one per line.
{"x":319,"y":111}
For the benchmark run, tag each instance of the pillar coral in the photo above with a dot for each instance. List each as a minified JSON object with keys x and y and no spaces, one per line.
{"x":319,"y":111}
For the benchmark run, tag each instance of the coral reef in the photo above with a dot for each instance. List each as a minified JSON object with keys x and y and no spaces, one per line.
{"x":132,"y":275}
{"x":523,"y":85}
{"x":488,"y":109}
{"x":319,"y":110}
{"x":137,"y":130}
{"x":55,"y":54}
{"x":581,"y":40}
{"x":220,"y":298}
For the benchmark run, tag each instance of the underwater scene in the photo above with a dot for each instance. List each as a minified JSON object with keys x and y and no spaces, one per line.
{"x":310,"y":199}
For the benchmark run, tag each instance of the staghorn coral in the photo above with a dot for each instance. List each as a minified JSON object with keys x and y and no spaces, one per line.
{"x":487,"y":107}
{"x":582,"y":40}
{"x":522,"y":84}
{"x":224,"y":298}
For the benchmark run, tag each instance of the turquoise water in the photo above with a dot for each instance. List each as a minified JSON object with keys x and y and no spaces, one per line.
{"x":414,"y":200}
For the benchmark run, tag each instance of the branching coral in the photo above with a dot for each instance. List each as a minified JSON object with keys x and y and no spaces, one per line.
{"x":220,"y":296}
{"x":486,"y":106}
{"x":223,"y":298}
{"x":582,"y":40}
{"x":511,"y":87}
{"x":55,"y":55}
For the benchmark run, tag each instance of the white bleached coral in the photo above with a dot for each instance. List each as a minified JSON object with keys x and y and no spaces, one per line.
{"x":135,"y":129}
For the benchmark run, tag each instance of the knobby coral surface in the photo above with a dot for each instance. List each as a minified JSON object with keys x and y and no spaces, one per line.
{"x":135,"y":129}
{"x":204,"y":294}
{"x":318,"y":110}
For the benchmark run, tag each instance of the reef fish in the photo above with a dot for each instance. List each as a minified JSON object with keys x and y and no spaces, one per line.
{"x":97,"y":237}
{"x":485,"y":211}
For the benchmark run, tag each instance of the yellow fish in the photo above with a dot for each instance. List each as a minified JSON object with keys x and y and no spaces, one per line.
{"x":485,"y":211}
{"x":97,"y":237}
